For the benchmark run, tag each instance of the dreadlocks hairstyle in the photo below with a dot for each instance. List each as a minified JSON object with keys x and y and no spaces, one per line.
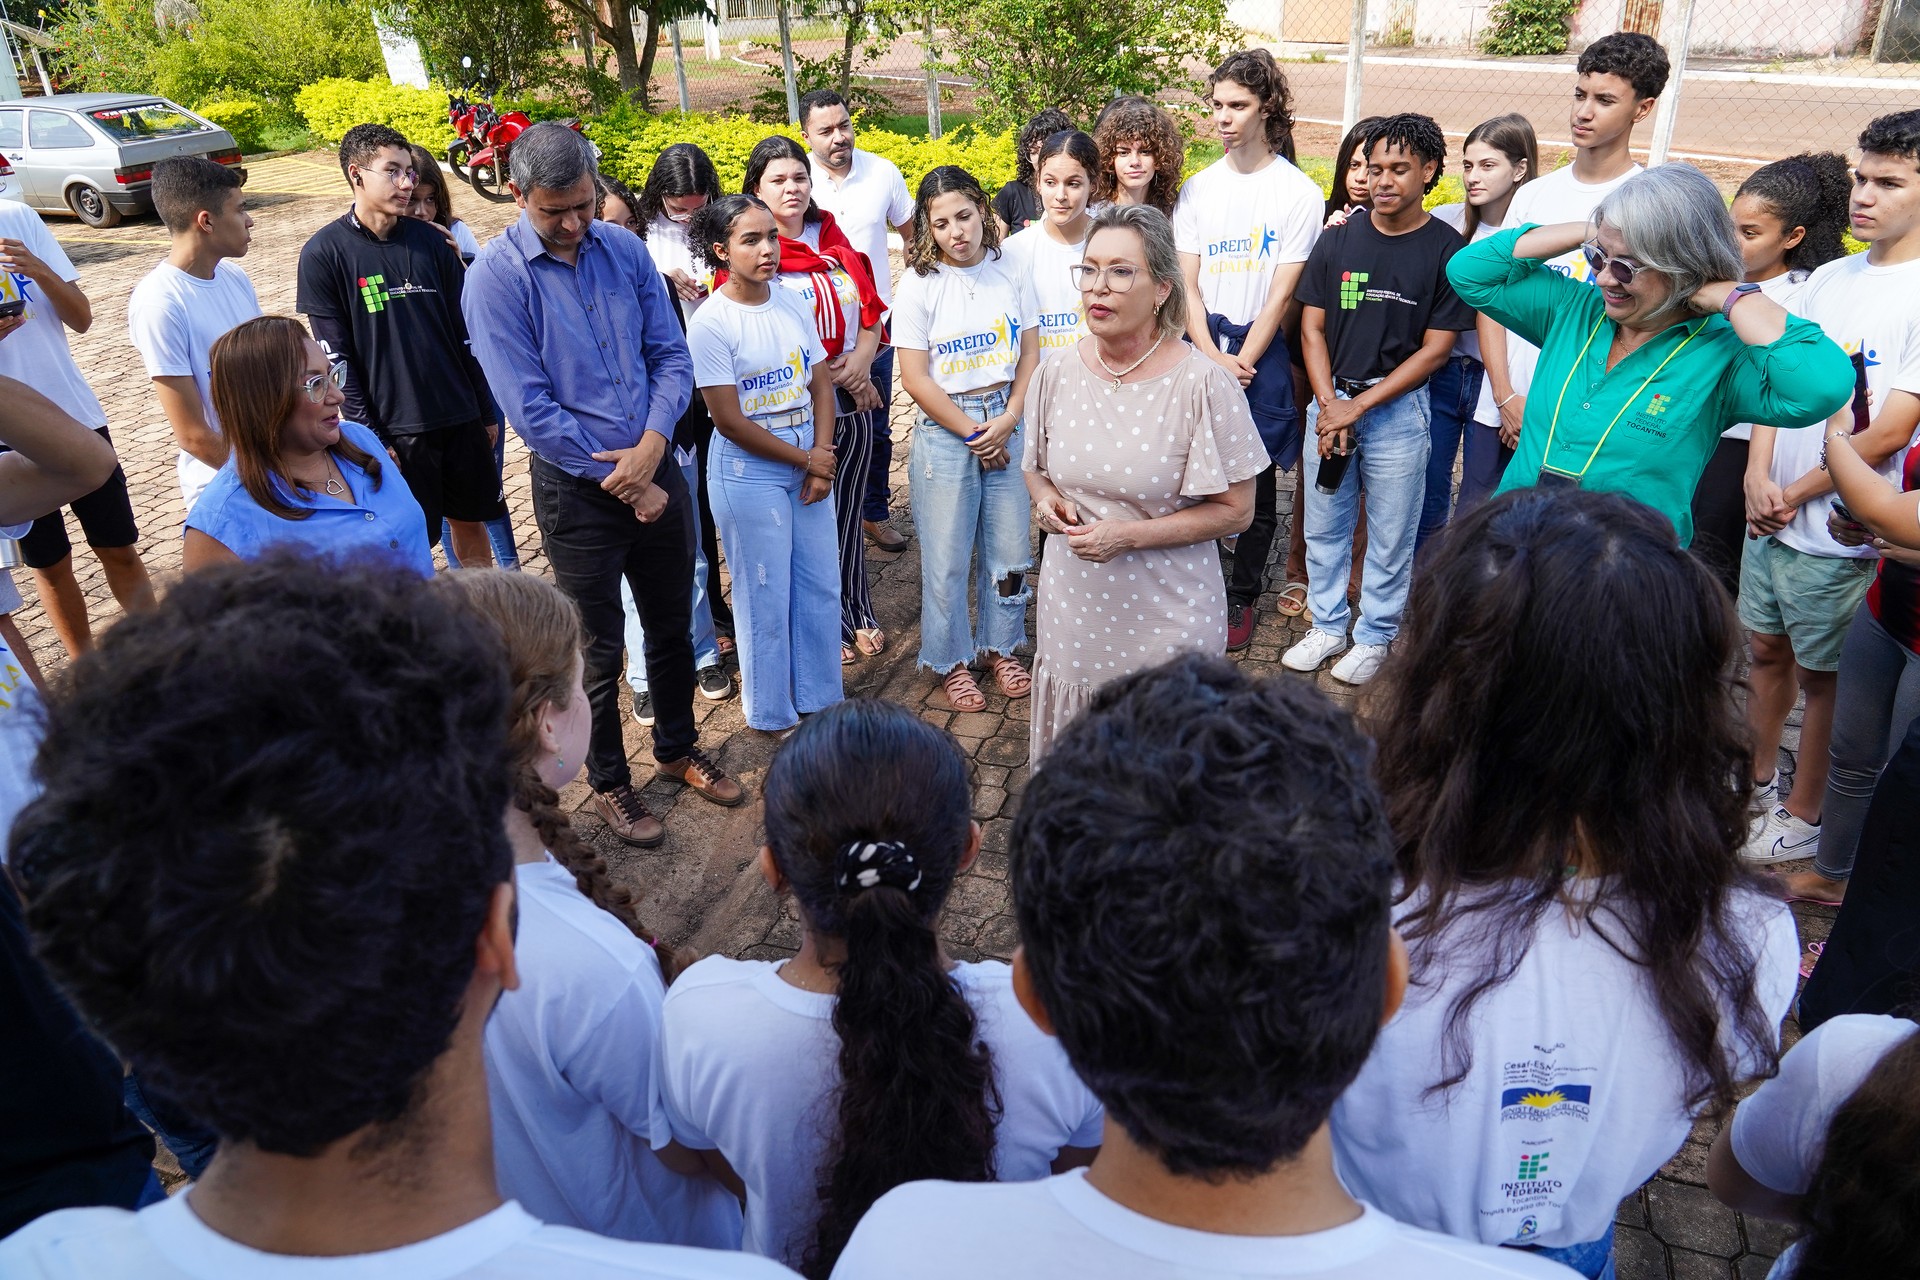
{"x":1256,"y":70}
{"x":925,"y":258}
{"x":541,"y":630}
{"x":1032,"y":134}
{"x":1811,"y":191}
{"x":869,"y":816}
{"x":1140,"y":123}
{"x":1419,"y":136}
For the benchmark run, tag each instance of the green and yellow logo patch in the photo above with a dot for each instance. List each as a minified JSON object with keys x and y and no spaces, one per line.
{"x":1658,"y":405}
{"x":374,"y":294}
{"x":1353,"y":288}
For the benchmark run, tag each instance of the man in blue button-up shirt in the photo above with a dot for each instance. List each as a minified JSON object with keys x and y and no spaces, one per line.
{"x":572,"y":323}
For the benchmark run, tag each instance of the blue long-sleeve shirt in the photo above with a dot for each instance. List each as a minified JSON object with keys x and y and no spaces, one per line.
{"x":582,"y":359}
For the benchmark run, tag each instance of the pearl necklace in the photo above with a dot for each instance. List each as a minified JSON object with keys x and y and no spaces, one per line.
{"x":1117,"y":375}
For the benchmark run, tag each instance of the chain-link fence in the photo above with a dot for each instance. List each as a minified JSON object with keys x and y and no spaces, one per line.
{"x":1752,"y":80}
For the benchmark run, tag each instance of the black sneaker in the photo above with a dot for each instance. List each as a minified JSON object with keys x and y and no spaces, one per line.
{"x":643,"y":708}
{"x":714,"y":683}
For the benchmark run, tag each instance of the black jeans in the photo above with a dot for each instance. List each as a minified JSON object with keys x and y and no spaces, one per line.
{"x":1248,"y":577}
{"x":593,"y":540}
{"x":1720,"y":512}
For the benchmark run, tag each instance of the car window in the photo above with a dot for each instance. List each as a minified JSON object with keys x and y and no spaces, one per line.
{"x":144,"y":120}
{"x":10,"y":130}
{"x":52,"y":130}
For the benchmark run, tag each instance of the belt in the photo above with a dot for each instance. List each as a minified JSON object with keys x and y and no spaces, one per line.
{"x":780,"y":421}
{"x":1351,"y":387}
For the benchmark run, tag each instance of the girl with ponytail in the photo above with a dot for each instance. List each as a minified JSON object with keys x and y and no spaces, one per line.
{"x":580,"y":1131}
{"x":871,"y":1058}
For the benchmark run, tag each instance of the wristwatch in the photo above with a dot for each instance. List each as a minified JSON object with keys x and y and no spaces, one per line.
{"x":1734,"y":295}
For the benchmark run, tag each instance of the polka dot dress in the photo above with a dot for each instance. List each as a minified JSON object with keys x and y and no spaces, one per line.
{"x":1138,"y":452}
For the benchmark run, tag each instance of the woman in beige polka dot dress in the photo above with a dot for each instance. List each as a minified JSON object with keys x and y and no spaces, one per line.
{"x":1140,"y":453}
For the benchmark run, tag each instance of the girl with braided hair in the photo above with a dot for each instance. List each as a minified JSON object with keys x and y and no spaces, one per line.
{"x":871,"y":1058}
{"x":580,"y":1131}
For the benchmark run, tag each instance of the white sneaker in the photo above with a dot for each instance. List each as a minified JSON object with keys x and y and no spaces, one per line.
{"x":1361,"y":665}
{"x":1781,"y":838}
{"x":1313,"y":649}
{"x":1760,"y":806}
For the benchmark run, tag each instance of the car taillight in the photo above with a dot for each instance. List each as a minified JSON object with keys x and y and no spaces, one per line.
{"x":6,"y":170}
{"x":126,"y":177}
{"x":226,"y":157}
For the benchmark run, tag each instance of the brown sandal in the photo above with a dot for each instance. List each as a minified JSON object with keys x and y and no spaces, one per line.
{"x":1011,"y":676}
{"x":962,"y":693}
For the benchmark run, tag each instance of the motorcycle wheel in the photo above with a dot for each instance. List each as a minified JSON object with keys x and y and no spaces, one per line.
{"x":490,"y":182}
{"x":457,"y":160}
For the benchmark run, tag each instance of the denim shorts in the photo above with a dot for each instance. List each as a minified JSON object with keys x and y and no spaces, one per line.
{"x":1806,"y":598}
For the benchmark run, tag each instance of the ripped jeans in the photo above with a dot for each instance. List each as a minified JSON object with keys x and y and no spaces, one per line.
{"x":973,"y":531}
{"x":785,"y":560}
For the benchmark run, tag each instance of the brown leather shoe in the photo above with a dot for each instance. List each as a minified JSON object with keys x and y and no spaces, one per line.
{"x":884,"y":536}
{"x":704,"y":776}
{"x":628,"y":817}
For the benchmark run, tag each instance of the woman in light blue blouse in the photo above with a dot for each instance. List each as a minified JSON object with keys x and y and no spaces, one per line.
{"x":297,"y":474}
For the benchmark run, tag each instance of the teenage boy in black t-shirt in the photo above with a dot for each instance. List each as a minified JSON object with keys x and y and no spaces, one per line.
{"x":382,"y":291}
{"x":1378,"y":319}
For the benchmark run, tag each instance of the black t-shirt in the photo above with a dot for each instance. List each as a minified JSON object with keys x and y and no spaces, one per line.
{"x":1017,"y":206}
{"x":67,"y":1141}
{"x":1382,"y":293}
{"x":391,"y":310}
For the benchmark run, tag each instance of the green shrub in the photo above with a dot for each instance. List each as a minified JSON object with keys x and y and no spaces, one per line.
{"x":331,"y":107}
{"x":1517,"y":28}
{"x":246,"y":118}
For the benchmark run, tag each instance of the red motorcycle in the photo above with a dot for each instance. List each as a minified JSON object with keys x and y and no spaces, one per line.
{"x":488,"y":166}
{"x":470,"y":120}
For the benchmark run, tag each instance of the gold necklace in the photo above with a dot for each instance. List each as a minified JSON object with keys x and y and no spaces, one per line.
{"x":1116,"y":376}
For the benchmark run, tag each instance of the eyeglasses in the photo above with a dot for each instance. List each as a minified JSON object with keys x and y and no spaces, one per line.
{"x":400,"y":177}
{"x":1119,"y":277}
{"x":316,"y":385}
{"x":1622,"y":270}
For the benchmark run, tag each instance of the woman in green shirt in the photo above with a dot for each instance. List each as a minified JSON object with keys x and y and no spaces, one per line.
{"x":1640,"y":371}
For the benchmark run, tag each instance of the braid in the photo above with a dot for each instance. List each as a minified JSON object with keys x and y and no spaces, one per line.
{"x":541,"y":804}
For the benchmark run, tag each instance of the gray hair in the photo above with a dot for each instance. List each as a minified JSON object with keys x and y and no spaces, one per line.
{"x":1163,"y":260}
{"x":549,"y":155}
{"x":1673,"y":220}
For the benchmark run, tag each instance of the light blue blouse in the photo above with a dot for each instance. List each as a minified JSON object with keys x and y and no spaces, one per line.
{"x":385,"y":521}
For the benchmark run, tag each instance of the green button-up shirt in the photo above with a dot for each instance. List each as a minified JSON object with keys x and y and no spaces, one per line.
{"x":1646,"y":427}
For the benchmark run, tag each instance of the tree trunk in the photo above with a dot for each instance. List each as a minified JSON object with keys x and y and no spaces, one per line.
{"x":650,"y":50}
{"x":856,"y":16}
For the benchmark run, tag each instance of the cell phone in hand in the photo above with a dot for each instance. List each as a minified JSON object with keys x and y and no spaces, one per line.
{"x":12,"y":307}
{"x":1840,"y":509}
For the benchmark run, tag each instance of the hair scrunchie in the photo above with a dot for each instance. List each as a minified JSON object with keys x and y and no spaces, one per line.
{"x":868,"y":864}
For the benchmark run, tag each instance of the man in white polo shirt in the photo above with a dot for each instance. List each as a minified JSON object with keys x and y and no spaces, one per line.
{"x":866,"y":195}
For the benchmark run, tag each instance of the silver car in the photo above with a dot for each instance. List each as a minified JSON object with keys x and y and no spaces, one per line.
{"x":92,"y":154}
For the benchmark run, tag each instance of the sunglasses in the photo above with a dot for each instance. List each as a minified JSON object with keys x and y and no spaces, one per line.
{"x":1622,"y":271}
{"x":316,"y":385}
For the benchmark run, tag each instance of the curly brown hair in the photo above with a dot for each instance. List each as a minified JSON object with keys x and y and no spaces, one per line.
{"x":1255,"y":69}
{"x":1138,"y":121}
{"x":924,"y":257}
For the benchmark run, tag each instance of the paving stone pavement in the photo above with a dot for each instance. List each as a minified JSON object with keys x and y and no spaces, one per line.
{"x":701,"y":889}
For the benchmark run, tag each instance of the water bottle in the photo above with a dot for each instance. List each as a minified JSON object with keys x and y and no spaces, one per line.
{"x":1333,"y":469}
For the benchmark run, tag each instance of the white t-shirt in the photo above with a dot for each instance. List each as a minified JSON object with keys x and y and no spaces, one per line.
{"x":1065,"y":1227}
{"x":1551,"y":198}
{"x":766,"y":353}
{"x":1863,"y":308}
{"x":672,"y":251}
{"x":167,"y":1242}
{"x":871,"y":200}
{"x":1575,"y":1095}
{"x":1455,"y":216}
{"x":465,"y":240}
{"x":573,"y":1071}
{"x":37,"y":352}
{"x":1783,"y":289}
{"x":1780,"y":1133}
{"x":753,"y":1064}
{"x":801,"y":284}
{"x":1041,"y":264}
{"x":21,"y":727}
{"x":968,"y":321}
{"x":1243,"y":225}
{"x":174,"y":318}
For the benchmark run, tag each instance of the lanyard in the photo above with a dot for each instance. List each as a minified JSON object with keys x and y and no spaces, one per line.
{"x":1580,"y":360}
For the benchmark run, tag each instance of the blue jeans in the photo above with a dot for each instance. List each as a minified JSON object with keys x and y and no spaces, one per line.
{"x":1876,"y":698}
{"x":1392,"y":445}
{"x":874,"y":504}
{"x":967,"y":516}
{"x":706,"y":647}
{"x":1594,"y":1259}
{"x":785,"y":558}
{"x":1452,"y":393}
{"x":500,"y":528}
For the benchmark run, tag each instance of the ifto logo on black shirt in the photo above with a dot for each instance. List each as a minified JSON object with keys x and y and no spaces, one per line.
{"x":375,"y":294}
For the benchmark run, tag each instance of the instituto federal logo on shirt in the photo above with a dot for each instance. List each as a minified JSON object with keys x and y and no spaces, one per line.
{"x":777,"y":389}
{"x":997,"y":344}
{"x":1352,"y":289}
{"x":1250,"y":252}
{"x":374,"y":294}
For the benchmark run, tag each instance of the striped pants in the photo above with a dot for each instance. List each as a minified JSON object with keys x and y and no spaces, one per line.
{"x":852,"y":451}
